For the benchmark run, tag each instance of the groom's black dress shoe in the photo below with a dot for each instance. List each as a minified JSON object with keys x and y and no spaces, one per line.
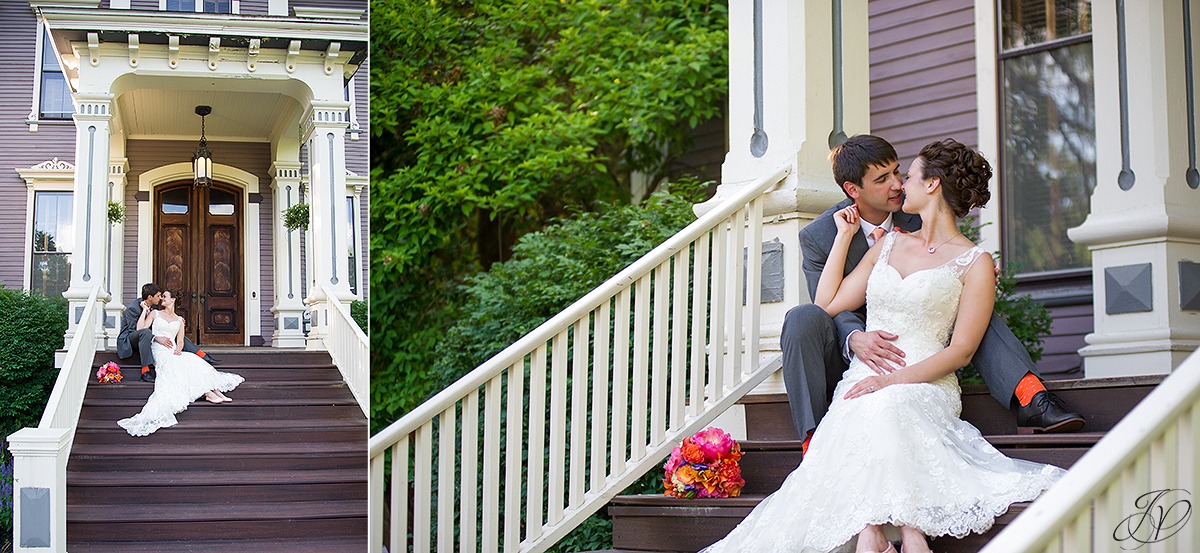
{"x":149,"y":375}
{"x":1046,"y":413}
{"x":211,"y":361}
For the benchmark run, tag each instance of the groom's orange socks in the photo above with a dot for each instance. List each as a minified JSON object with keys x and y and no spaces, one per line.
{"x":1028,"y":387}
{"x":804,"y":446}
{"x":145,"y":369}
{"x":200,"y":354}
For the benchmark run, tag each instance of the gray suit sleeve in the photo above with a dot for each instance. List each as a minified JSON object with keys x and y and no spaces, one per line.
{"x":815,"y":255}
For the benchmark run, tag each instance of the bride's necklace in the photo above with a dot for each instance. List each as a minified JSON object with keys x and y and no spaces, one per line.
{"x":932,"y":249}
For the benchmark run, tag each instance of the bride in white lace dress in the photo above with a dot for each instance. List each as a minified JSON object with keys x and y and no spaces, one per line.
{"x":891,"y":459}
{"x":182,"y":376}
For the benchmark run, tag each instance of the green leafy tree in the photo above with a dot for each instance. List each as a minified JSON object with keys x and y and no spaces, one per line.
{"x":490,"y":118}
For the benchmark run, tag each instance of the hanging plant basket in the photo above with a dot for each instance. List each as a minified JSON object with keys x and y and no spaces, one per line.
{"x":116,"y":212}
{"x":296,"y":217}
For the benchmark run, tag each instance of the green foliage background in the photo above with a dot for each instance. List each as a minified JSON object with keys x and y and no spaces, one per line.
{"x":491,"y":118}
{"x":31,"y":329}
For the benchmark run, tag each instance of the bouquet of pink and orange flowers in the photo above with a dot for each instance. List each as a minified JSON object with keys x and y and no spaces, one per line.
{"x":108,"y":372}
{"x":705,"y":465}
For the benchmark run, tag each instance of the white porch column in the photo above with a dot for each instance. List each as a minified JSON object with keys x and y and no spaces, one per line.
{"x":39,"y":489}
{"x":1144,"y":227}
{"x":114,"y":237}
{"x":327,"y":193}
{"x":289,"y":301}
{"x":93,"y":113}
{"x":798,"y":83}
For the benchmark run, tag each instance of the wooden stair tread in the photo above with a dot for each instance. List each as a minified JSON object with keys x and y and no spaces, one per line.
{"x":215,"y":512}
{"x":237,"y":402}
{"x":236,"y":425}
{"x":278,"y":545}
{"x":212,"y":478}
{"x":241,"y":450}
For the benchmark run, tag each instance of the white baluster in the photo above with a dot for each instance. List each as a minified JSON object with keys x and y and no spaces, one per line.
{"x":600,"y":398}
{"x":737,"y":287}
{"x":534,"y":490}
{"x":514,"y":435}
{"x":398,"y":540}
{"x":753,"y":286}
{"x":679,"y":331}
{"x":718,"y":343}
{"x":620,"y":410}
{"x":558,"y":426}
{"x":422,"y":480}
{"x":641,"y":358}
{"x":699,"y":323}
{"x":468,"y":513}
{"x":491,"y":465}
{"x":446,"y":501}
{"x":659,"y":344}
{"x":579,"y":411}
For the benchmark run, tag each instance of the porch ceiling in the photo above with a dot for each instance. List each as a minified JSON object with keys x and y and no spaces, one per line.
{"x":236,"y":116}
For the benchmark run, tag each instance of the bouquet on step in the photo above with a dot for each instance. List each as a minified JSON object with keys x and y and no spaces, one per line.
{"x":108,"y":372}
{"x":705,"y":465}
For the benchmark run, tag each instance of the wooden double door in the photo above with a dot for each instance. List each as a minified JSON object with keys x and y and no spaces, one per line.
{"x":198,"y":257}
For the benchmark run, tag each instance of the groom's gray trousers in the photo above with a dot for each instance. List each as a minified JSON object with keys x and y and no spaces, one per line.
{"x":813,"y":363}
{"x":142,"y":341}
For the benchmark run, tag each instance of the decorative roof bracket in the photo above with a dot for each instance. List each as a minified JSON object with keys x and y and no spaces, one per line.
{"x":214,"y":48}
{"x":293,"y":52}
{"x":94,"y":48}
{"x":331,"y":55}
{"x":134,"y":44}
{"x":173,"y":51}
{"x":252,"y":54}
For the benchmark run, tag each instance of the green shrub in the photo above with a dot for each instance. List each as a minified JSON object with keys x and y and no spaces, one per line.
{"x":360,"y":312}
{"x":1028,"y":319}
{"x":31,"y":329}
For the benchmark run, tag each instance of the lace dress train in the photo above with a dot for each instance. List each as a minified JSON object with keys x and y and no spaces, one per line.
{"x":899,"y":456}
{"x":180,"y":380}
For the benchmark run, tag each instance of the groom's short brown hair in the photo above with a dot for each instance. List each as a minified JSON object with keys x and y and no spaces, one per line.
{"x":149,"y":289}
{"x":851,"y":158}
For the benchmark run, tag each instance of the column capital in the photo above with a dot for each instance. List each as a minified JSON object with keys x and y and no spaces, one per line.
{"x":92,"y":107}
{"x":285,"y":170}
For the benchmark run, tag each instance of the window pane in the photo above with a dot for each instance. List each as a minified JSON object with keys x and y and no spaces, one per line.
{"x":49,"y":60}
{"x":1049,"y":167}
{"x":51,"y":274}
{"x":1027,"y":23}
{"x":175,"y":201}
{"x":52,"y":222}
{"x":56,"y":96}
{"x":181,"y":5}
{"x":220,"y":202}
{"x":218,"y":6}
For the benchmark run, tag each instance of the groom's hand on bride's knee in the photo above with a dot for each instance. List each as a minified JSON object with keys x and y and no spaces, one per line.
{"x":875,"y":348}
{"x":166,"y":342}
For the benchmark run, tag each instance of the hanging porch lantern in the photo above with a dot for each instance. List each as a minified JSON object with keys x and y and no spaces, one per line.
{"x":202,"y":161}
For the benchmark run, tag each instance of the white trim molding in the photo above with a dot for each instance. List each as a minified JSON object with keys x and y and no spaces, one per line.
{"x":54,"y":175}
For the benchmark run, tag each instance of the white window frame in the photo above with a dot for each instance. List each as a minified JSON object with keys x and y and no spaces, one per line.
{"x":35,"y":104}
{"x":50,"y":176}
{"x":235,"y":8}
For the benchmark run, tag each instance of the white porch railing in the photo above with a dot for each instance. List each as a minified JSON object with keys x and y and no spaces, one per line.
{"x":40,"y":454}
{"x":614,"y":408}
{"x":347,"y":345}
{"x":1133,"y":489}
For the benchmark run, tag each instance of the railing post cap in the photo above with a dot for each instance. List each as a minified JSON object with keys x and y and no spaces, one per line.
{"x":39,"y":441}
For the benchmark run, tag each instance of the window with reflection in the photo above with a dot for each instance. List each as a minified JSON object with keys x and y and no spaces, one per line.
{"x":55,"y":101}
{"x":220,"y":202}
{"x":206,"y":6}
{"x":175,"y":201}
{"x":1048,"y":131}
{"x":50,"y":271}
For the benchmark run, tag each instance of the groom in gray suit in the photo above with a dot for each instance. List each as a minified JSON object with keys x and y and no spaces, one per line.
{"x":131,"y":340}
{"x":817,"y":348}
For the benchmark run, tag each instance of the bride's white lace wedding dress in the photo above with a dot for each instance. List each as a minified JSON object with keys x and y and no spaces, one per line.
{"x":900,"y":455}
{"x":180,"y":379}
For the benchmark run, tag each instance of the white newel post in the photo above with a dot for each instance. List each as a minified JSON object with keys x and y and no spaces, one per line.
{"x":114,"y":236}
{"x":791,"y":92}
{"x":93,"y":113}
{"x":327,"y":193}
{"x":289,"y":300}
{"x":1144,"y":227}
{"x":39,"y":489}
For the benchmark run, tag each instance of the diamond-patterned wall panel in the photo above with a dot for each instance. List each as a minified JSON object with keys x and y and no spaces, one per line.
{"x":1189,"y":286}
{"x":1128,"y":289}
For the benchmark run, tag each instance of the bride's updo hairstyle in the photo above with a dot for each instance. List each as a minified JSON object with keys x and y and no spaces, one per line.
{"x":963,"y":172}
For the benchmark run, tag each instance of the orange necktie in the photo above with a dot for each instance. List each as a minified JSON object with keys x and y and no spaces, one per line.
{"x":877,"y":234}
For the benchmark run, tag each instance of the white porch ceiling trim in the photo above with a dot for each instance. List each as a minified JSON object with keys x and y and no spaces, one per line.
{"x":91,"y":19}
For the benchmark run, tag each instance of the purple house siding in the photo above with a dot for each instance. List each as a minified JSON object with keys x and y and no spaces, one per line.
{"x":911,"y":112}
{"x":22,"y":149}
{"x":149,"y":5}
{"x":337,"y":4}
{"x":254,"y":7}
{"x":358,"y":154}
{"x":254,"y":158}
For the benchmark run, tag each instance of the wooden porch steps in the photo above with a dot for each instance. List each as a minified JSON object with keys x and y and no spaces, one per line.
{"x":772,"y":451}
{"x":282,"y":468}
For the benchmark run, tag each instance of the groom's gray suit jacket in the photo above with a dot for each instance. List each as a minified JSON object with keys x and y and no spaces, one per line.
{"x":1001,"y":358}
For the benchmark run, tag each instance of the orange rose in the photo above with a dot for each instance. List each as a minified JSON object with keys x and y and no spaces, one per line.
{"x":685,"y":476}
{"x":692,"y":452}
